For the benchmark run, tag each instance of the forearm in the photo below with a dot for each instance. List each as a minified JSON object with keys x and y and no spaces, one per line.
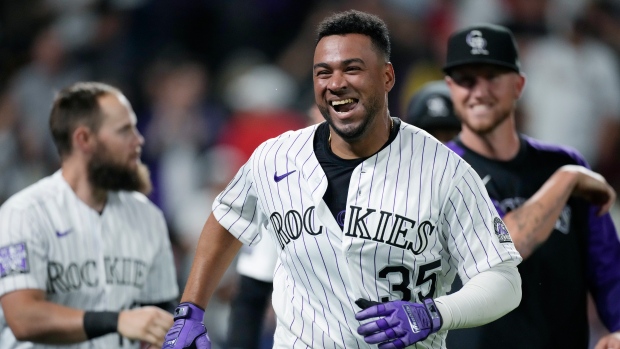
{"x":215,"y":251}
{"x":42,"y":321}
{"x":531,"y":224}
{"x":485,"y":298}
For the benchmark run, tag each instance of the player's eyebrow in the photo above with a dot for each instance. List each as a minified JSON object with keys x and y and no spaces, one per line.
{"x":345,"y":62}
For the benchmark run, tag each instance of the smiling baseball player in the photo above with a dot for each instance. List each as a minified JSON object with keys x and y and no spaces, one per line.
{"x":372,"y":219}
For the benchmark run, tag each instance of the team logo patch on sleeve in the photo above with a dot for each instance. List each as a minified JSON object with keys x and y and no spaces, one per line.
{"x":501,"y":231}
{"x":14,"y":259}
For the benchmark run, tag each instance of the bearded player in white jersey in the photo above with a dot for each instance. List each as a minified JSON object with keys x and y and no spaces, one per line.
{"x":371,"y":217}
{"x":85,"y":258}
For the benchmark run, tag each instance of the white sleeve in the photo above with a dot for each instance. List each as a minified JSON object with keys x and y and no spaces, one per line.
{"x":161,"y":283}
{"x":23,"y":251}
{"x":236,"y":207}
{"x":485,"y":298}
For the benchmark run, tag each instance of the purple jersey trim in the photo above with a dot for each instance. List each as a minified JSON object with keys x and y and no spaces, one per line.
{"x":455,"y":148}
{"x":554,"y":148}
{"x":604,"y":269}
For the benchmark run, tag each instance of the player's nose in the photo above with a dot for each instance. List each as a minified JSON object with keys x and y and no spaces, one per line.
{"x":337,"y":82}
{"x":138,"y":137}
{"x":481,"y":87}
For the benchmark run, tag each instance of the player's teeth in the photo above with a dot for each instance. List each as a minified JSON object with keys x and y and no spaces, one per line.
{"x":344,"y":101}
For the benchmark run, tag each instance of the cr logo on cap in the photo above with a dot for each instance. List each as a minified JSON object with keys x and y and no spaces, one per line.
{"x":437,"y":107}
{"x":477,"y":43}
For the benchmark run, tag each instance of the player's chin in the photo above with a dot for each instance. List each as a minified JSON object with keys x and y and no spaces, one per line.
{"x":479,"y":126}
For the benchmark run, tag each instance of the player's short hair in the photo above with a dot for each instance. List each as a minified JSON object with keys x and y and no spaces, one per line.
{"x":75,"y":106}
{"x":357,"y":22}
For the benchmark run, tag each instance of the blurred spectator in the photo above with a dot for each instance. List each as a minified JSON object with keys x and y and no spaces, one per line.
{"x":602,"y":20}
{"x":572,"y":95}
{"x":14,"y":175}
{"x":180,"y":123}
{"x":260,"y":100}
{"x":32,"y":90}
{"x":108,"y":51}
{"x":425,"y":64}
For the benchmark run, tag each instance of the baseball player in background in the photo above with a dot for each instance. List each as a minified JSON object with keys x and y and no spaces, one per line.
{"x":554,"y":206}
{"x":371,"y":218}
{"x":85,"y":258}
{"x":430,"y":109}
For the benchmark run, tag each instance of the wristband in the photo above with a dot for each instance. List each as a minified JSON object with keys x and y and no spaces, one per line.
{"x":434,"y":314}
{"x":99,"y":323}
{"x":187,"y":310}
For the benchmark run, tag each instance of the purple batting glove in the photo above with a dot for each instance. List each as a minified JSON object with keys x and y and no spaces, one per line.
{"x":188,"y":331}
{"x":400,"y":323}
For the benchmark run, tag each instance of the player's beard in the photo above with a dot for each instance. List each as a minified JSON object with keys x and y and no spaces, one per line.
{"x":355,"y":133}
{"x":104,"y":173}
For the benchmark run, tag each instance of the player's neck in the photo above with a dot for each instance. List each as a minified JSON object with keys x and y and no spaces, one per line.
{"x":367,"y":145}
{"x":77,"y":178}
{"x":500,"y":144}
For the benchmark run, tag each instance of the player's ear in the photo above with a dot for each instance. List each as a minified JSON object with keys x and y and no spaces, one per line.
{"x":390,"y":77}
{"x":519,"y":85}
{"x":83,"y":139}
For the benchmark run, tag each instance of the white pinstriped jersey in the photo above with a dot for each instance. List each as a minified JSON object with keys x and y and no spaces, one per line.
{"x":416,"y":215}
{"x":52,"y":241}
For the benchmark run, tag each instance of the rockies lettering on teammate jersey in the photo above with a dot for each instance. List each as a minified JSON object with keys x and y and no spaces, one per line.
{"x":118,"y":271}
{"x":289,"y":227}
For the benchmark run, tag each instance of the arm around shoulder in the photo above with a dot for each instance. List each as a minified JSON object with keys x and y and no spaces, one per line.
{"x":531,"y":224}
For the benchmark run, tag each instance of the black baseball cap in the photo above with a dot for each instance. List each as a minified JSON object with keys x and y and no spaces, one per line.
{"x":482,"y":43}
{"x":431,"y":108}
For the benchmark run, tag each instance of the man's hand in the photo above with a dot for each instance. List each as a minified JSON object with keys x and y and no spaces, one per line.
{"x":592,"y":187}
{"x":188,"y":330}
{"x":610,"y":341}
{"x":148,"y":324}
{"x":400,"y":323}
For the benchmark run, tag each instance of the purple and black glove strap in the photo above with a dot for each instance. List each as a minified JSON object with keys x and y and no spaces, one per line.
{"x":399,"y":324}
{"x":188,"y":331}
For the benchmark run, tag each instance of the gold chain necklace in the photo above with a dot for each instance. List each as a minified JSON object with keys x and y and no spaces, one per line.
{"x":329,"y":139}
